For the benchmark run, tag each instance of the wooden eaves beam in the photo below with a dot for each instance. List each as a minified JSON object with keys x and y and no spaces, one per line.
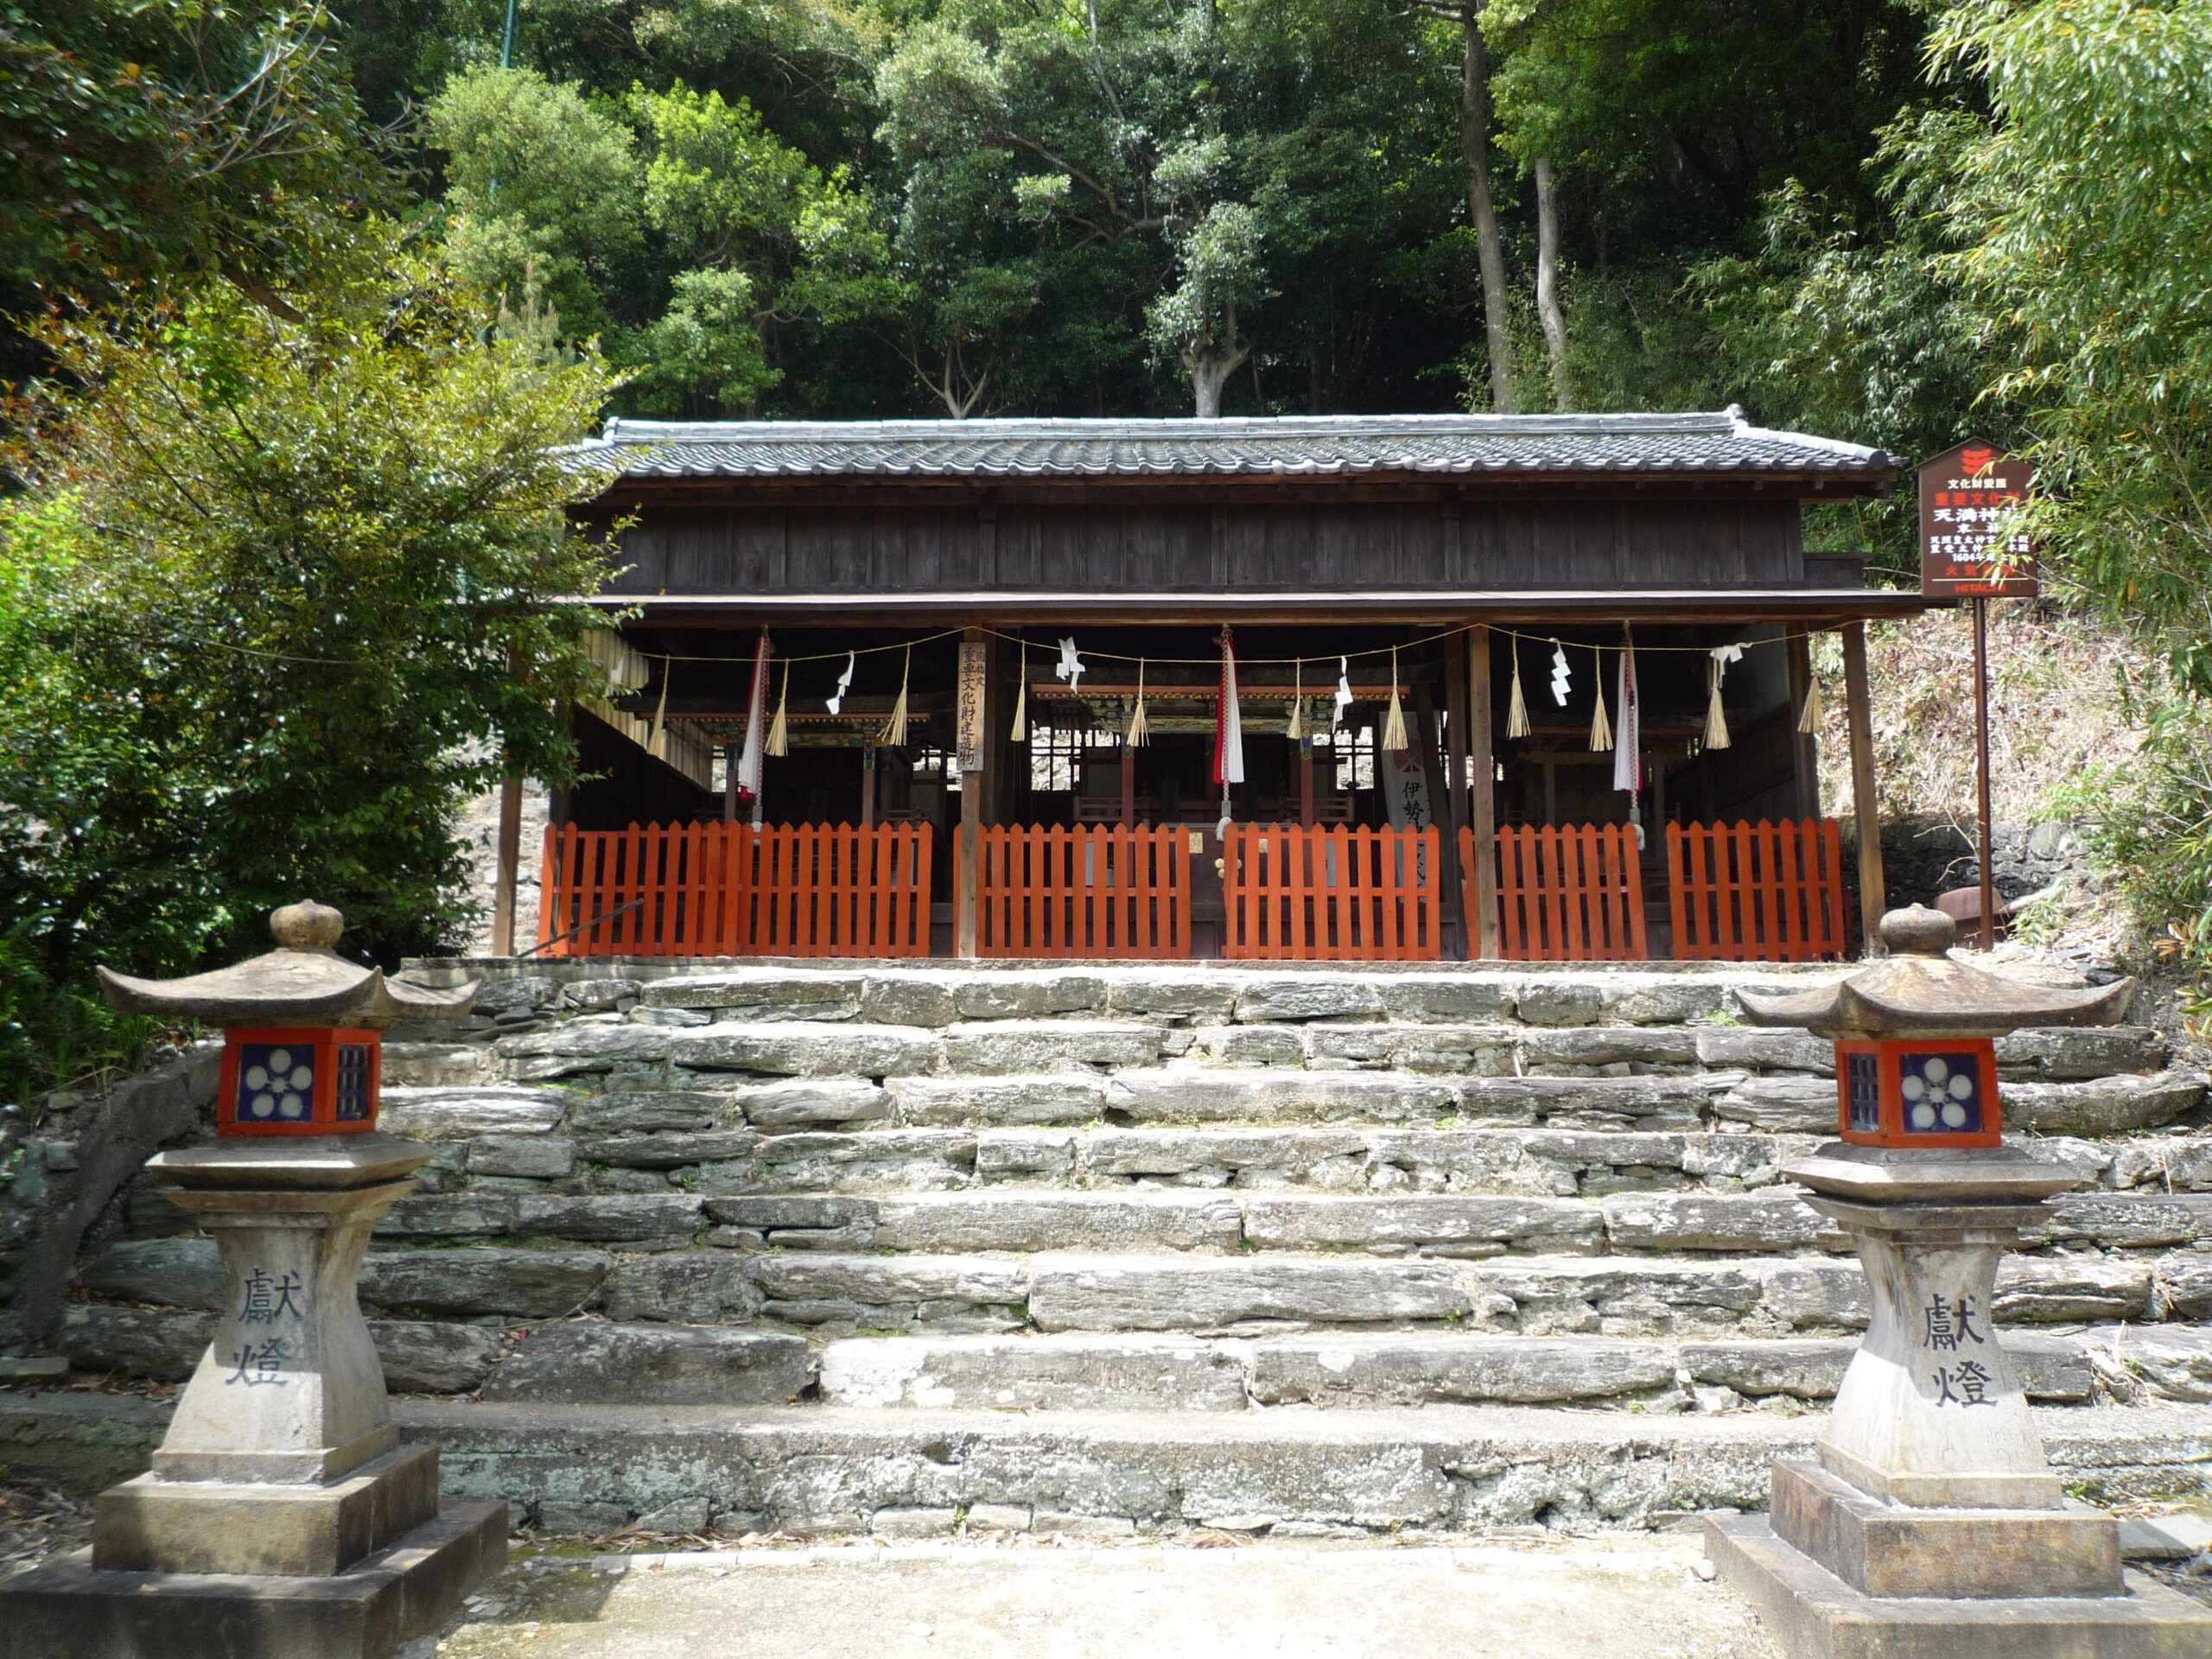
{"x":1001,"y":608}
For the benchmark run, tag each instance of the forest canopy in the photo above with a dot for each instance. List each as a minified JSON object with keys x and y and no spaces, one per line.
{"x":266,"y":259}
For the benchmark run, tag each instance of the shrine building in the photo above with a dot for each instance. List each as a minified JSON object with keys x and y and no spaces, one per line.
{"x":1379,"y":688}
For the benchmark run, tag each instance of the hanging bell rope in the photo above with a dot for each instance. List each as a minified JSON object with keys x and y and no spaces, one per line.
{"x":1139,"y":733}
{"x":1393,"y":724}
{"x":1601,"y":730}
{"x":1809,"y":721}
{"x":1716,"y":717}
{"x":894,"y":729}
{"x":1296,"y":728}
{"x":1517,"y":711}
{"x":779,"y":734}
{"x":1020,"y":732}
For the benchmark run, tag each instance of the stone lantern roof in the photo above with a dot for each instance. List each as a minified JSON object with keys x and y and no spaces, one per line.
{"x":1921,"y":990}
{"x":303,"y":982}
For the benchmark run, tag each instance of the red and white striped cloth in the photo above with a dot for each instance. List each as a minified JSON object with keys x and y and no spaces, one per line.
{"x":1229,"y":722}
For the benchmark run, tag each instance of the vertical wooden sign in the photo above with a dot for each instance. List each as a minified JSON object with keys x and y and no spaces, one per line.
{"x":973,"y":745}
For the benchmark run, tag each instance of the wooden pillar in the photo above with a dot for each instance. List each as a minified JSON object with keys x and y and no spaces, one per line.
{"x":1306,"y":781}
{"x":1806,"y":747}
{"x":1482,"y":794}
{"x":729,"y":782}
{"x":1129,"y":785}
{"x":999,"y":795}
{"x":1873,"y":899}
{"x":1443,"y":803}
{"x":867,"y":783}
{"x":1455,"y":711}
{"x":510,"y":856}
{"x":967,"y":891}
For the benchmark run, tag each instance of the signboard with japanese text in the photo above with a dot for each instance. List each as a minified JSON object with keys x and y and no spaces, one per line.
{"x":970,"y":706}
{"x":1964,"y":493}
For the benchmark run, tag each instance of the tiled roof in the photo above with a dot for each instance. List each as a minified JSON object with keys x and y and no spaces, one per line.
{"x":1296,"y":447}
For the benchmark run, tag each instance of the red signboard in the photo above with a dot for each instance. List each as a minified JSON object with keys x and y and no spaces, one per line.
{"x":1964,"y":493}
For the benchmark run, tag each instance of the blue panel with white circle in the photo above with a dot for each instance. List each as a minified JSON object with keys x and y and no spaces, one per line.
{"x":1941,"y":1092}
{"x":275,"y":1083}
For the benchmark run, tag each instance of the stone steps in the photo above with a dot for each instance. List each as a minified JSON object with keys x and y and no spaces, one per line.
{"x":802,"y":1048}
{"x":1290,"y":1470}
{"x":937,"y":994}
{"x":1193,"y":1095}
{"x":1542,"y":1204}
{"x":841,"y":1136}
{"x":472,"y":1306}
{"x":1270,"y":1359}
{"x":1128,"y":1373}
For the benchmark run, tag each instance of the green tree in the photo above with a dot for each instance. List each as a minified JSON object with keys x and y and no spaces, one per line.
{"x":545,"y":187}
{"x":708,"y":342}
{"x":262,"y":599}
{"x":144,"y":138}
{"x":766,"y":238}
{"x":2075,"y":220}
{"x":2078,"y":220}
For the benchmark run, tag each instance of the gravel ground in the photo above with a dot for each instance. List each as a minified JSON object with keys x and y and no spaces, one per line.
{"x":1638,"y":1598}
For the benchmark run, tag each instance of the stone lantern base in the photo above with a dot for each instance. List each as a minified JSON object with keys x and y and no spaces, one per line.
{"x":389,"y":1596}
{"x":1816,"y":1612}
{"x":282,"y":1519}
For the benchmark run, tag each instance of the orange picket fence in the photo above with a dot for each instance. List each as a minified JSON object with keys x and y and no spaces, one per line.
{"x":1314,"y":895}
{"x":720,"y":889}
{"x":1756,"y":892}
{"x":1565,"y":893}
{"x":1102,"y":891}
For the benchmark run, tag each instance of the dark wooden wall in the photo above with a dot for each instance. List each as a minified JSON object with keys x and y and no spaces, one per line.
{"x":1563,"y":544}
{"x":621,"y":784}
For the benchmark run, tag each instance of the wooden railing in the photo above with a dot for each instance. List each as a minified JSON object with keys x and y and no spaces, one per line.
{"x":1105,"y":891}
{"x":1300,"y":894}
{"x":717,"y":889}
{"x":1756,"y":892}
{"x":1565,"y":893}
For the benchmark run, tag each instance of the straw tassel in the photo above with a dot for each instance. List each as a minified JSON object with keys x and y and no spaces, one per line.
{"x":1809,"y":721}
{"x":1517,"y":712}
{"x":1139,"y":733}
{"x":1716,"y":720}
{"x":780,"y":736}
{"x":894,"y":729}
{"x":1020,"y":732}
{"x":1296,"y":729}
{"x":1601,"y":730}
{"x":1393,"y":724}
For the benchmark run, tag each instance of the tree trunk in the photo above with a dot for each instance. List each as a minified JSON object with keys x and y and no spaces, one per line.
{"x":1474,"y":145}
{"x":1210,"y":373}
{"x":1211,"y":362}
{"x":1547,"y":309}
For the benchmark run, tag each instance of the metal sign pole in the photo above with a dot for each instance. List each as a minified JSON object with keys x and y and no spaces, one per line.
{"x":1981,"y":770}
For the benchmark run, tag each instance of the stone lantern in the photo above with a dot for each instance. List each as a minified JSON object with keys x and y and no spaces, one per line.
{"x":280,"y":1516}
{"x":1931,"y":1523}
